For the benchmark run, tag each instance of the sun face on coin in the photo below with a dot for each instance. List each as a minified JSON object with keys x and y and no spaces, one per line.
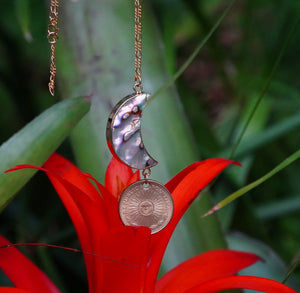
{"x":146,"y":203}
{"x":146,"y":208}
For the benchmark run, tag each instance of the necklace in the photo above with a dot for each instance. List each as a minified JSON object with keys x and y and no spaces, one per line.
{"x":145,"y":202}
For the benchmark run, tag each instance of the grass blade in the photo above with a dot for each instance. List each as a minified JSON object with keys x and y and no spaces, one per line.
{"x":254,"y":184}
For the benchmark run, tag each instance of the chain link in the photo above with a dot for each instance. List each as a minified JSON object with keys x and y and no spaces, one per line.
{"x":52,"y":39}
{"x":138,"y":88}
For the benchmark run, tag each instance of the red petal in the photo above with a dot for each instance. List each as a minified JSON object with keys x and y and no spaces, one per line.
{"x":129,"y":246}
{"x":90,"y":222}
{"x":193,"y":182}
{"x":68,"y":194}
{"x":135,"y":177}
{"x":184,"y":187}
{"x":88,"y":216}
{"x":71,"y":173}
{"x":22,"y":272}
{"x":241,"y":282}
{"x":13,"y":290}
{"x":204,"y":267}
{"x":116,"y":177}
{"x":111,"y":204}
{"x":172,"y":183}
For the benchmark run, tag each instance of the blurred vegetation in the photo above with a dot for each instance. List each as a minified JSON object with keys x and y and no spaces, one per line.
{"x":218,"y":91}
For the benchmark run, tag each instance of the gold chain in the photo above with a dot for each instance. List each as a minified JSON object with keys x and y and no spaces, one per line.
{"x":52,"y":38}
{"x":138,"y":88}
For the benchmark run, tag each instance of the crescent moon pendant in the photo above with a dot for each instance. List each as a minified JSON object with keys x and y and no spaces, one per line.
{"x":123,"y":132}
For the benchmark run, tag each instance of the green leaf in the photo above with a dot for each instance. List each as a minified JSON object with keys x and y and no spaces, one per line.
{"x":271,"y":267}
{"x":192,"y":57}
{"x":291,"y":270}
{"x":270,"y":134}
{"x":254,"y":184}
{"x":23,"y":14}
{"x":253,"y":141}
{"x":35,"y":142}
{"x":266,"y":84}
{"x":278,"y":208}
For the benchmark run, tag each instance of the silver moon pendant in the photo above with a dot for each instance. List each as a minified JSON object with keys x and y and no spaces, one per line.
{"x":123,"y":132}
{"x":146,"y":203}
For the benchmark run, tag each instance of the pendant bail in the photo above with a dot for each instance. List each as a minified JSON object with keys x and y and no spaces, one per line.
{"x":146,"y":173}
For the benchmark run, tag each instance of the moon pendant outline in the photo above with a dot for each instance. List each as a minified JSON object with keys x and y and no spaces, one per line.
{"x":123,"y":132}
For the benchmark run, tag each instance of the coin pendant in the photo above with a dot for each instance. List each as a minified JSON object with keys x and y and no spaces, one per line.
{"x":146,"y":203}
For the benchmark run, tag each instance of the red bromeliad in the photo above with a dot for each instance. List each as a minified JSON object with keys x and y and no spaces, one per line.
{"x":132,"y":255}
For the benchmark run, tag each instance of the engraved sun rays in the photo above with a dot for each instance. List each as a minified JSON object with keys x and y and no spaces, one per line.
{"x":148,"y":205}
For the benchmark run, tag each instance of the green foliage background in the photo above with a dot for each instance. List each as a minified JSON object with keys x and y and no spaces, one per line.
{"x":212,"y":101}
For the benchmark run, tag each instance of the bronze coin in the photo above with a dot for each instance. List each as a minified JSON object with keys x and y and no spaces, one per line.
{"x":146,"y":203}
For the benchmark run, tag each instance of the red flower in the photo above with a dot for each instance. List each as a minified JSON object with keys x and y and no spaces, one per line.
{"x":132,"y":255}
